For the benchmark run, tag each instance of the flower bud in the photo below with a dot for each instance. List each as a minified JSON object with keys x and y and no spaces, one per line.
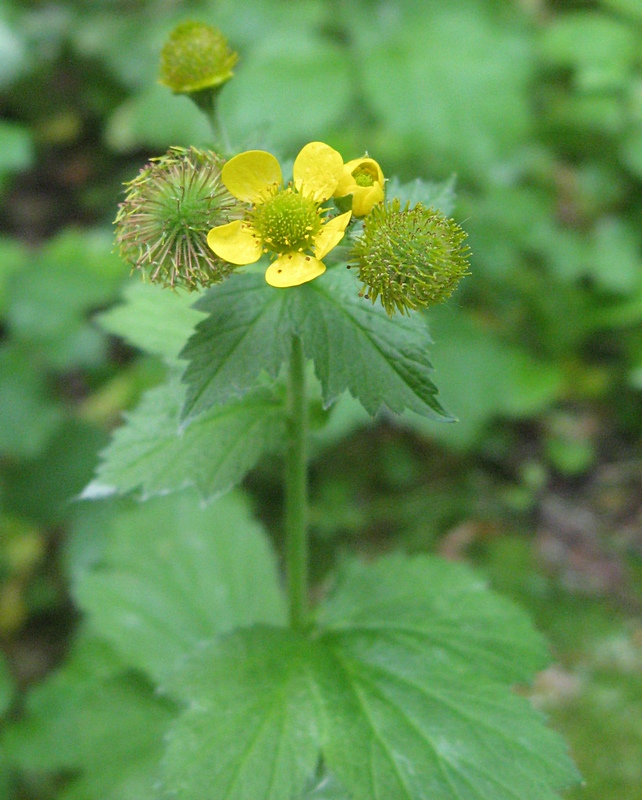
{"x":410,"y":258}
{"x":363,"y":180}
{"x":162,"y":225}
{"x":196,"y":57}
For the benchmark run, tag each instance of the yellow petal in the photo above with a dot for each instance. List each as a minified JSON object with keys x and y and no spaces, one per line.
{"x":317,"y":170}
{"x":365,"y":198}
{"x":235,"y":242}
{"x":293,"y":269}
{"x":252,"y":176}
{"x":331,"y":234}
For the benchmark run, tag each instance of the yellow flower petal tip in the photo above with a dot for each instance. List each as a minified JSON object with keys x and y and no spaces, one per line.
{"x":293,"y":270}
{"x":317,"y":170}
{"x":363,"y":179}
{"x":235,"y":242}
{"x":252,"y":176}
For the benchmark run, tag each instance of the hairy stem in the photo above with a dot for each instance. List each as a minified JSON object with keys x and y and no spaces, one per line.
{"x":296,"y":490}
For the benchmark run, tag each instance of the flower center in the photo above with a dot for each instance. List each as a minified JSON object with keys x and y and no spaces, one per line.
{"x":365,"y":175}
{"x":287,"y":222}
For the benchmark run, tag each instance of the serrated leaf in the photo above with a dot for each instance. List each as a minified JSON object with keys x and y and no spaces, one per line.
{"x":251,"y":732}
{"x":177,"y":573}
{"x":392,"y":698}
{"x":93,"y":718}
{"x":355,"y":345}
{"x":246,"y":332}
{"x":438,"y":605}
{"x":440,"y":196}
{"x":155,"y":453}
{"x":416,"y":652}
{"x":400,"y":725}
{"x":153,"y":319}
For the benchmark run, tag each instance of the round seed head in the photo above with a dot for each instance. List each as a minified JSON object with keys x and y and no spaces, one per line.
{"x":195,"y":57}
{"x":410,"y":258}
{"x":162,"y":225}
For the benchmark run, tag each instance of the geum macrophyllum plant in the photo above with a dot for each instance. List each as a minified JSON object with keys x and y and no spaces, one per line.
{"x":398,"y":682}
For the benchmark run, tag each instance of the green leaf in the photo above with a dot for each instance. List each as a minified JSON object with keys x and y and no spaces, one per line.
{"x":43,"y":488}
{"x":403,"y":726}
{"x":280,"y":96}
{"x":6,"y":686}
{"x":251,"y":732}
{"x":432,"y":195}
{"x":483,"y":378}
{"x":459,"y":63}
{"x":441,"y":606}
{"x":153,"y":319}
{"x":214,"y":452}
{"x":355,"y":345}
{"x":404,"y":693}
{"x":176,"y":573}
{"x":411,"y":678}
{"x":155,"y":118}
{"x":29,"y":415}
{"x":48,"y":304}
{"x":598,"y":47}
{"x":247,"y":331}
{"x":92,"y":717}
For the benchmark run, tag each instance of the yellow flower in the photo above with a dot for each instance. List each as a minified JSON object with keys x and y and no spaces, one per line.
{"x":363,"y":179}
{"x":286,"y":221}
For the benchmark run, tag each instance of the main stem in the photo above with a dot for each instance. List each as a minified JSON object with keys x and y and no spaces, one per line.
{"x":296,"y":490}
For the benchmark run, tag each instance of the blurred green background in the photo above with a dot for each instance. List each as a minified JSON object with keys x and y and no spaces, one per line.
{"x":536,"y":107}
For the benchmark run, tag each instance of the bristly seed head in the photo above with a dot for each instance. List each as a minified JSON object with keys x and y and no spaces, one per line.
{"x":410,"y":258}
{"x":162,"y":225}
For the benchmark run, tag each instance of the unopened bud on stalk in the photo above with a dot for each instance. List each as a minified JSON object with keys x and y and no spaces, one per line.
{"x":196,"y":57}
{"x":410,"y":258}
{"x":162,"y":225}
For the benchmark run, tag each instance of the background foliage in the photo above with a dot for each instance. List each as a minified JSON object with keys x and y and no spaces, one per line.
{"x":536,"y":106}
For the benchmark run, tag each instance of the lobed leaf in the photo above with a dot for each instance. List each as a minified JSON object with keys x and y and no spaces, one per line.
{"x":405,"y":694}
{"x":250,"y":732}
{"x":154,"y":453}
{"x":355,"y":345}
{"x":153,"y":319}
{"x":176,"y":574}
{"x":246,"y":332}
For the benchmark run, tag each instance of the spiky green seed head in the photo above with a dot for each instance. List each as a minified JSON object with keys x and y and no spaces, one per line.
{"x":409,"y":258}
{"x":195,"y":57}
{"x":162,"y":225}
